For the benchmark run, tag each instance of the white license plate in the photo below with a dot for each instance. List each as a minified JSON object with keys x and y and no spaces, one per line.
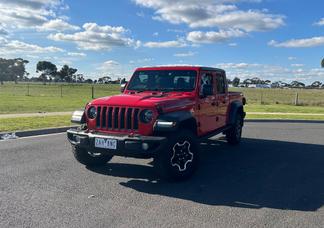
{"x":106,"y":143}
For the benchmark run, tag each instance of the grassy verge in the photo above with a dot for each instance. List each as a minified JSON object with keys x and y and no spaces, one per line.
{"x":284,"y":117}
{"x":29,"y":123}
{"x":284,"y":108}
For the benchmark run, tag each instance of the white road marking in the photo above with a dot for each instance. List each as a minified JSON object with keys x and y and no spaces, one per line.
{"x":33,"y":136}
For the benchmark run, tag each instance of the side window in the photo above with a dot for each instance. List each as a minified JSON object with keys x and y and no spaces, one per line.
{"x":206,"y":79}
{"x":220,"y":83}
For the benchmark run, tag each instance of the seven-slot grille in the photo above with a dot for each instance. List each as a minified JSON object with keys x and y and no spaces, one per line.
{"x":117,"y":118}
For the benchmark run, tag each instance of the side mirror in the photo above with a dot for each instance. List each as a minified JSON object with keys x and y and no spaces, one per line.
{"x":123,"y":87}
{"x":207,"y":90}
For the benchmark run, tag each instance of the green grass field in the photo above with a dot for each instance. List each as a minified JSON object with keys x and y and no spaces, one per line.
{"x":306,"y":97}
{"x":28,"y":123}
{"x":15,"y":98}
{"x":24,"y":98}
{"x":18,"y":98}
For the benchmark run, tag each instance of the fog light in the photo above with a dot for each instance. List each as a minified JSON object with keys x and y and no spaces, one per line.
{"x":145,"y":146}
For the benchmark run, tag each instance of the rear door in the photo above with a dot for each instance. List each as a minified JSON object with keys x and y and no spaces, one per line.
{"x":207,"y":105}
{"x":222,"y":98}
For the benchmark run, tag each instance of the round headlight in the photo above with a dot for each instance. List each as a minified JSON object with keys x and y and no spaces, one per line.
{"x":92,"y":112}
{"x":146,"y":116}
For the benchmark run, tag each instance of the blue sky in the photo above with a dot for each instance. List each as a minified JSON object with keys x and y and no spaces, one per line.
{"x":270,"y":39}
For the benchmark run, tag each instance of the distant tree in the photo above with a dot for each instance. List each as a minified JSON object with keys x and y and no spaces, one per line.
{"x":12,"y":69}
{"x":104,"y":80}
{"x":279,"y":84}
{"x":236,"y":82}
{"x":17,"y":69}
{"x":47,"y":69}
{"x":257,"y":80}
{"x":316,"y":84}
{"x":297,"y":84}
{"x":89,"y":80}
{"x":275,"y":85}
{"x":3,"y":70}
{"x":322,"y":63}
{"x":80,"y":78}
{"x":247,"y":82}
{"x":123,"y":81}
{"x":67,"y":73}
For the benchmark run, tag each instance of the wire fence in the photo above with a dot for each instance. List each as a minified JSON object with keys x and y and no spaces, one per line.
{"x":304,"y":97}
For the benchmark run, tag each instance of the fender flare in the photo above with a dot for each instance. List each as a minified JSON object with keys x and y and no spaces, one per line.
{"x":177,"y":118}
{"x":235,"y":108}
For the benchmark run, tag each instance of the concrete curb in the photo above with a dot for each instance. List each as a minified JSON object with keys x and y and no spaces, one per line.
{"x":21,"y":134}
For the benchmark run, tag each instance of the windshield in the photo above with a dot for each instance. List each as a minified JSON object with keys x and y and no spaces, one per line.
{"x":163,"y":80}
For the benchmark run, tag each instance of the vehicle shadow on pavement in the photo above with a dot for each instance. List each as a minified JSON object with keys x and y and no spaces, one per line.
{"x":256,"y":174}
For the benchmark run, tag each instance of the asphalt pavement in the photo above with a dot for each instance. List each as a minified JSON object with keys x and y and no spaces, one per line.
{"x":274,"y":178}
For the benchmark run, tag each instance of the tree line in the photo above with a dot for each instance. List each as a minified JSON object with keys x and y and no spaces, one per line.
{"x":259,"y":83}
{"x":15,"y":70}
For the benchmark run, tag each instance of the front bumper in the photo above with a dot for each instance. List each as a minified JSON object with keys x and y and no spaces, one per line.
{"x":127,"y":146}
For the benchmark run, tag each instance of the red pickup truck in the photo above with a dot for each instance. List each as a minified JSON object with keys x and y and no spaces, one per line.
{"x":161,"y":114}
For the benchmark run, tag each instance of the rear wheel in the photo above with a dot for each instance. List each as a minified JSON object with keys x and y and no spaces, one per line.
{"x":179,"y":159}
{"x":88,"y":158}
{"x":234,"y":134}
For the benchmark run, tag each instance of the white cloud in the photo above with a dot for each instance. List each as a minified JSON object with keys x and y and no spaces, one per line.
{"x":140,"y":14}
{"x":213,"y":37}
{"x":320,"y":22}
{"x":57,"y":25}
{"x":176,"y":30}
{"x":97,"y":38}
{"x":108,"y":65}
{"x":291,"y":58}
{"x":166,"y":44}
{"x":141,"y":60}
{"x":299,"y":43}
{"x":297,"y":65}
{"x":28,"y":13}
{"x":3,"y":32}
{"x":209,"y":13}
{"x":114,"y":70}
{"x":185,"y":54}
{"x":237,"y":65}
{"x":76,"y":54}
{"x":233,"y":44}
{"x":16,"y":46}
{"x":271,"y":72}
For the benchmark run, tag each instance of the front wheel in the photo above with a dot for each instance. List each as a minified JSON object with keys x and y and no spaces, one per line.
{"x":89,"y":158}
{"x":179,"y":159}
{"x":234,"y":134}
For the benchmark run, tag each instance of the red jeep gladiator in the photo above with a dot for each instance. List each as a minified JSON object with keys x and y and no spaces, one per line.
{"x":161,"y":114}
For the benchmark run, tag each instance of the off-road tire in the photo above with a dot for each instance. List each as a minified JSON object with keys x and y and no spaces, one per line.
{"x":234,"y":134}
{"x":179,"y":158}
{"x":82,"y":156}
